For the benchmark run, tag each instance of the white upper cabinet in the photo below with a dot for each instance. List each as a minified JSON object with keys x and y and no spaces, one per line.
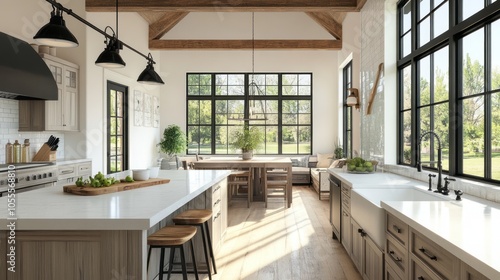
{"x":62,"y":114}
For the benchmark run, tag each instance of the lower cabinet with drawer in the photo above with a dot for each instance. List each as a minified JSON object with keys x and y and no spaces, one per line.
{"x":218,"y":204}
{"x":67,"y":174}
{"x":411,"y":255}
{"x":438,"y":260}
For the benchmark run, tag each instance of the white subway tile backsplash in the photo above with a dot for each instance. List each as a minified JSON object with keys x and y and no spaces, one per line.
{"x":9,"y":126}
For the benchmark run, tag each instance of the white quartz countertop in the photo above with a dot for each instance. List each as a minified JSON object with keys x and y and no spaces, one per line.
{"x":139,"y":209}
{"x":374,"y":180}
{"x":71,"y":161}
{"x":468,"y":228}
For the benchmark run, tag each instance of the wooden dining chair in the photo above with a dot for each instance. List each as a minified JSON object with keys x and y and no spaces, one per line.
{"x":277,"y":180}
{"x":239,"y":184}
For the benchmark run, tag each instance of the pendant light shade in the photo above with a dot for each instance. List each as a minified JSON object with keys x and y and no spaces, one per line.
{"x":55,"y":33}
{"x":149,"y":76}
{"x":110,"y":57}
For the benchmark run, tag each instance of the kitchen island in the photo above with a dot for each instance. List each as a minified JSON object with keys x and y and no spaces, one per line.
{"x":64,"y":236}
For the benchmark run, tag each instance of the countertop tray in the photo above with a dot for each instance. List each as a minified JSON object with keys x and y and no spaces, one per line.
{"x":125,"y":186}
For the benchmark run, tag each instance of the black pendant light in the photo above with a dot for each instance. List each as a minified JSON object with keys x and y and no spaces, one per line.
{"x":149,"y":75}
{"x":110,"y":57}
{"x":55,"y":33}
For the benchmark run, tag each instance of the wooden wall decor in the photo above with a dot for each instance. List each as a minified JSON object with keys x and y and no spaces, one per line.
{"x":374,"y":89}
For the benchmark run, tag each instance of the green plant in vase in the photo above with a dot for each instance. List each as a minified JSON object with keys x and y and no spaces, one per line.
{"x":248,"y":139}
{"x":338,"y":151}
{"x":173,"y":142}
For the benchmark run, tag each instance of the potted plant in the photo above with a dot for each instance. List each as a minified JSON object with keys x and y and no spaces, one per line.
{"x":173,"y":142}
{"x":338,"y":151}
{"x":247,"y":140}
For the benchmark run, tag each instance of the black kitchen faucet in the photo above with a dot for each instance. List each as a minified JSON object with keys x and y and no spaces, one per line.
{"x":439,"y":160}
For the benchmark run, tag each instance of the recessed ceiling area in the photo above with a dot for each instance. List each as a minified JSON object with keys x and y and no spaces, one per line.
{"x":283,"y":24}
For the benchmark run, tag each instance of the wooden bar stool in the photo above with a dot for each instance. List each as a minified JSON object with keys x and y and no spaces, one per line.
{"x":173,"y":237}
{"x":200,"y":218}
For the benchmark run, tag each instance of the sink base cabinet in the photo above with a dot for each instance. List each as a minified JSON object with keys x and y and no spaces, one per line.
{"x":366,"y":255}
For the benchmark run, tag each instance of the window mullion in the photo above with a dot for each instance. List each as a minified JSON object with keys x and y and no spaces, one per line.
{"x":487,"y":103}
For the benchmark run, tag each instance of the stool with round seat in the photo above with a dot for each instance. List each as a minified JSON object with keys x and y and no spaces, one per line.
{"x":200,"y":218}
{"x":173,"y":237}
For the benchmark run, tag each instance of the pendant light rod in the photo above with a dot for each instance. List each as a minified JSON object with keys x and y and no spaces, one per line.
{"x":116,"y":19}
{"x":70,"y":12}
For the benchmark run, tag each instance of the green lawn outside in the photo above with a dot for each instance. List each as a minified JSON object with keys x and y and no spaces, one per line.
{"x":474,"y":165}
{"x":272,"y":148}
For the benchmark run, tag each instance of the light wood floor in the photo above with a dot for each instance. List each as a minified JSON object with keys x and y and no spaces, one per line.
{"x":280,"y":243}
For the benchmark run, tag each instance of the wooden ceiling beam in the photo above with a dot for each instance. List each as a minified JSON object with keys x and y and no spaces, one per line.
{"x":165,"y":24}
{"x":245,"y":44}
{"x":361,"y":4}
{"x":326,"y":20}
{"x":222,"y":5}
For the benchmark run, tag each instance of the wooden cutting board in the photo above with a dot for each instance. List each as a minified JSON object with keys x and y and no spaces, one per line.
{"x":73,"y":189}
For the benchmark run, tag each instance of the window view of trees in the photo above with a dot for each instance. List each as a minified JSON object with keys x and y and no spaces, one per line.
{"x":117,"y":128}
{"x":280,"y":105}
{"x":347,"y":111}
{"x":470,"y":113}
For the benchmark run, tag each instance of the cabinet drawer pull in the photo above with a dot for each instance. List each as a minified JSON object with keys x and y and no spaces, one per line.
{"x":395,"y":228}
{"x":361,"y":232}
{"x":421,"y":278}
{"x":394,"y":258}
{"x":434,"y":258}
{"x":216,"y":189}
{"x":217,"y":202}
{"x":67,"y":171}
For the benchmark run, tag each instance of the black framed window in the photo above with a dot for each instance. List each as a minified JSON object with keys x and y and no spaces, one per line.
{"x":347,"y":111}
{"x":117,"y":129}
{"x":449,"y":82}
{"x":220,"y":103}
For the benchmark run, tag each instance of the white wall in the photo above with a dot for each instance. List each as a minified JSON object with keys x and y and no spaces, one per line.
{"x":23,"y":19}
{"x":372,"y":54}
{"x":351,"y":51}
{"x":323,"y":64}
{"x":133,"y":30}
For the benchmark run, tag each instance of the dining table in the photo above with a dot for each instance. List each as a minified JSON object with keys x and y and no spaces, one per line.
{"x":257,"y":165}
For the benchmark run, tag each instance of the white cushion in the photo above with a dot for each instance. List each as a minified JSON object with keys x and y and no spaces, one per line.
{"x":324,"y":160}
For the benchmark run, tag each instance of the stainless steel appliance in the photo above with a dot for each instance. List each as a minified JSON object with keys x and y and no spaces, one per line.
{"x":335,"y":207}
{"x":27,"y":176}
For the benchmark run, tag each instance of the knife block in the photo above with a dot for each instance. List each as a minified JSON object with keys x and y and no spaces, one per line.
{"x":45,"y":154}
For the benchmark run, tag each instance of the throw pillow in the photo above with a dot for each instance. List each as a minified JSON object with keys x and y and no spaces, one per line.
{"x":324,"y":160}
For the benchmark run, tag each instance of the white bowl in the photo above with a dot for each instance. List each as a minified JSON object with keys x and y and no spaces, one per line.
{"x":140,"y":174}
{"x":153,"y":171}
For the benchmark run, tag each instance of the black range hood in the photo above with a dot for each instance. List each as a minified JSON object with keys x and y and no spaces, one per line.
{"x":23,"y":73}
